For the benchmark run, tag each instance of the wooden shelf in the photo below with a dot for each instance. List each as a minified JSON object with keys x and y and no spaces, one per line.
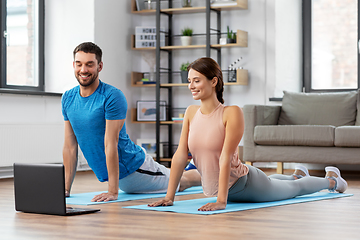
{"x":134,"y":119}
{"x":142,"y":12}
{"x":165,"y":159}
{"x":240,"y":5}
{"x":241,"y":77}
{"x":184,"y":10}
{"x":182,"y":47}
{"x":174,"y":85}
{"x":145,"y":12}
{"x":137,"y":76}
{"x":241,"y":41}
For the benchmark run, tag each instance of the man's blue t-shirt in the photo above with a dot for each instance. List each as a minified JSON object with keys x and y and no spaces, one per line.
{"x":88,"y":115}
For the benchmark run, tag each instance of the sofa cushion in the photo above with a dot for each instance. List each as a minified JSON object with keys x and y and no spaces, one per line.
{"x":347,"y":136}
{"x":295,"y":135}
{"x":357,"y":123}
{"x":337,"y":109}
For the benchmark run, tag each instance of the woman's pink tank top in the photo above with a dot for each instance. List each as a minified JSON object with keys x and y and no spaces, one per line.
{"x":206,"y":139}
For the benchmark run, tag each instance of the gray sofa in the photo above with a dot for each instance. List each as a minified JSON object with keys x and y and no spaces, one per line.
{"x":307,"y":128}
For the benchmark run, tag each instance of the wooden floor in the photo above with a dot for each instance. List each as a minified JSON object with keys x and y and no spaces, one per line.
{"x":327,"y":219}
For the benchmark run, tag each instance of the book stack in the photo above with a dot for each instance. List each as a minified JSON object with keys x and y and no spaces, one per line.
{"x":145,"y":81}
{"x":177,"y":119}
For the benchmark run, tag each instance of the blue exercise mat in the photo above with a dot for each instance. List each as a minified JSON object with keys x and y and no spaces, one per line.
{"x":85,"y":198}
{"x":192,"y":206}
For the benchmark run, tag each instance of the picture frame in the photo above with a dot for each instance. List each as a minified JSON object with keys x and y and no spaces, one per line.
{"x":150,"y":146}
{"x":146,"y":111}
{"x":139,"y":5}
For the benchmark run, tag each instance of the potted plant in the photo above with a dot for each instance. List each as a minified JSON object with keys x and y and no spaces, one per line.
{"x":186,"y":3}
{"x":231,"y":36}
{"x":186,"y":36}
{"x":184,"y":72}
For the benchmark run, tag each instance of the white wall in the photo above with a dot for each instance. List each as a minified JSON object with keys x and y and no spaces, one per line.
{"x":23,"y":119}
{"x":283,"y":39}
{"x":67,"y":24}
{"x":288,"y":46}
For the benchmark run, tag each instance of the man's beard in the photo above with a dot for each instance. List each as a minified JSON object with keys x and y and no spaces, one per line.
{"x":89,"y":82}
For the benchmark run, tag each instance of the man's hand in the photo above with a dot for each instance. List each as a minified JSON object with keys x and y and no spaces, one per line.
{"x":162,"y":203}
{"x":67,"y":193}
{"x":105,"y":197}
{"x":213,"y":206}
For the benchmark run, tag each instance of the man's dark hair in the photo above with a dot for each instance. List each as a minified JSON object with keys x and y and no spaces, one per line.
{"x":89,"y":47}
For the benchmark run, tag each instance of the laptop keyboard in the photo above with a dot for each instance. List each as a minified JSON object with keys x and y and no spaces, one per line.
{"x":71,"y":210}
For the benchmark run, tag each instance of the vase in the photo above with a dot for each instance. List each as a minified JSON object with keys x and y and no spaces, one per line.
{"x":147,"y":4}
{"x":230,"y":40}
{"x":186,"y":40}
{"x":184,"y":76}
{"x":186,"y":3}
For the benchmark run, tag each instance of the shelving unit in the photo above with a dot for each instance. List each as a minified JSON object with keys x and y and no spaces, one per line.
{"x":133,"y":119}
{"x":190,"y":46}
{"x":241,"y":76}
{"x":241,"y":41}
{"x":240,"y":4}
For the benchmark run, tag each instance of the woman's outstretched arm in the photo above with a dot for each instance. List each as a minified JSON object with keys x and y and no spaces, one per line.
{"x":178,"y":162}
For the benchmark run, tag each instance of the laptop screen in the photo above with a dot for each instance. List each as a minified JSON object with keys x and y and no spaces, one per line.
{"x":39,"y":188}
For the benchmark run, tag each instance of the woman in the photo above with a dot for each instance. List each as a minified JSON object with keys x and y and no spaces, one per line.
{"x":212,"y":133}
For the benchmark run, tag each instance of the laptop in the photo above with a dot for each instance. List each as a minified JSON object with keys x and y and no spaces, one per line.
{"x":40,"y":188}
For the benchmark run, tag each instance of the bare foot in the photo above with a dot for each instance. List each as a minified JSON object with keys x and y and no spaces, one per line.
{"x":189,"y":179}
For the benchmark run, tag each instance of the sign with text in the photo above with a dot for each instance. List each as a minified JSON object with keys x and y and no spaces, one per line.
{"x":146,"y":37}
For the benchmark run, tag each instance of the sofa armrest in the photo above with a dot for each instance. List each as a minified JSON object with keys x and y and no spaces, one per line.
{"x":257,"y":115}
{"x":261,"y":114}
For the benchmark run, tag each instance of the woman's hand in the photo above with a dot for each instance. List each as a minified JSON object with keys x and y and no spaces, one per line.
{"x":213,"y":206}
{"x":105,"y":197}
{"x":162,"y":203}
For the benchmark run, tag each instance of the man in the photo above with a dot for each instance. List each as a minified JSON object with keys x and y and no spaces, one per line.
{"x":94,"y":114}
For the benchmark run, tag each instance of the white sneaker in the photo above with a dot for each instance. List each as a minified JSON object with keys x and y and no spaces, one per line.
{"x":334,"y":173}
{"x":301,"y":171}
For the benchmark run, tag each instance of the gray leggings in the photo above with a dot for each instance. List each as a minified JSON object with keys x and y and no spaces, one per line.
{"x":256,"y":186}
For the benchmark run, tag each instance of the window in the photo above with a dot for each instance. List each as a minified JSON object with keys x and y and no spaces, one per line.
{"x":330,"y":45}
{"x":22,"y":44}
